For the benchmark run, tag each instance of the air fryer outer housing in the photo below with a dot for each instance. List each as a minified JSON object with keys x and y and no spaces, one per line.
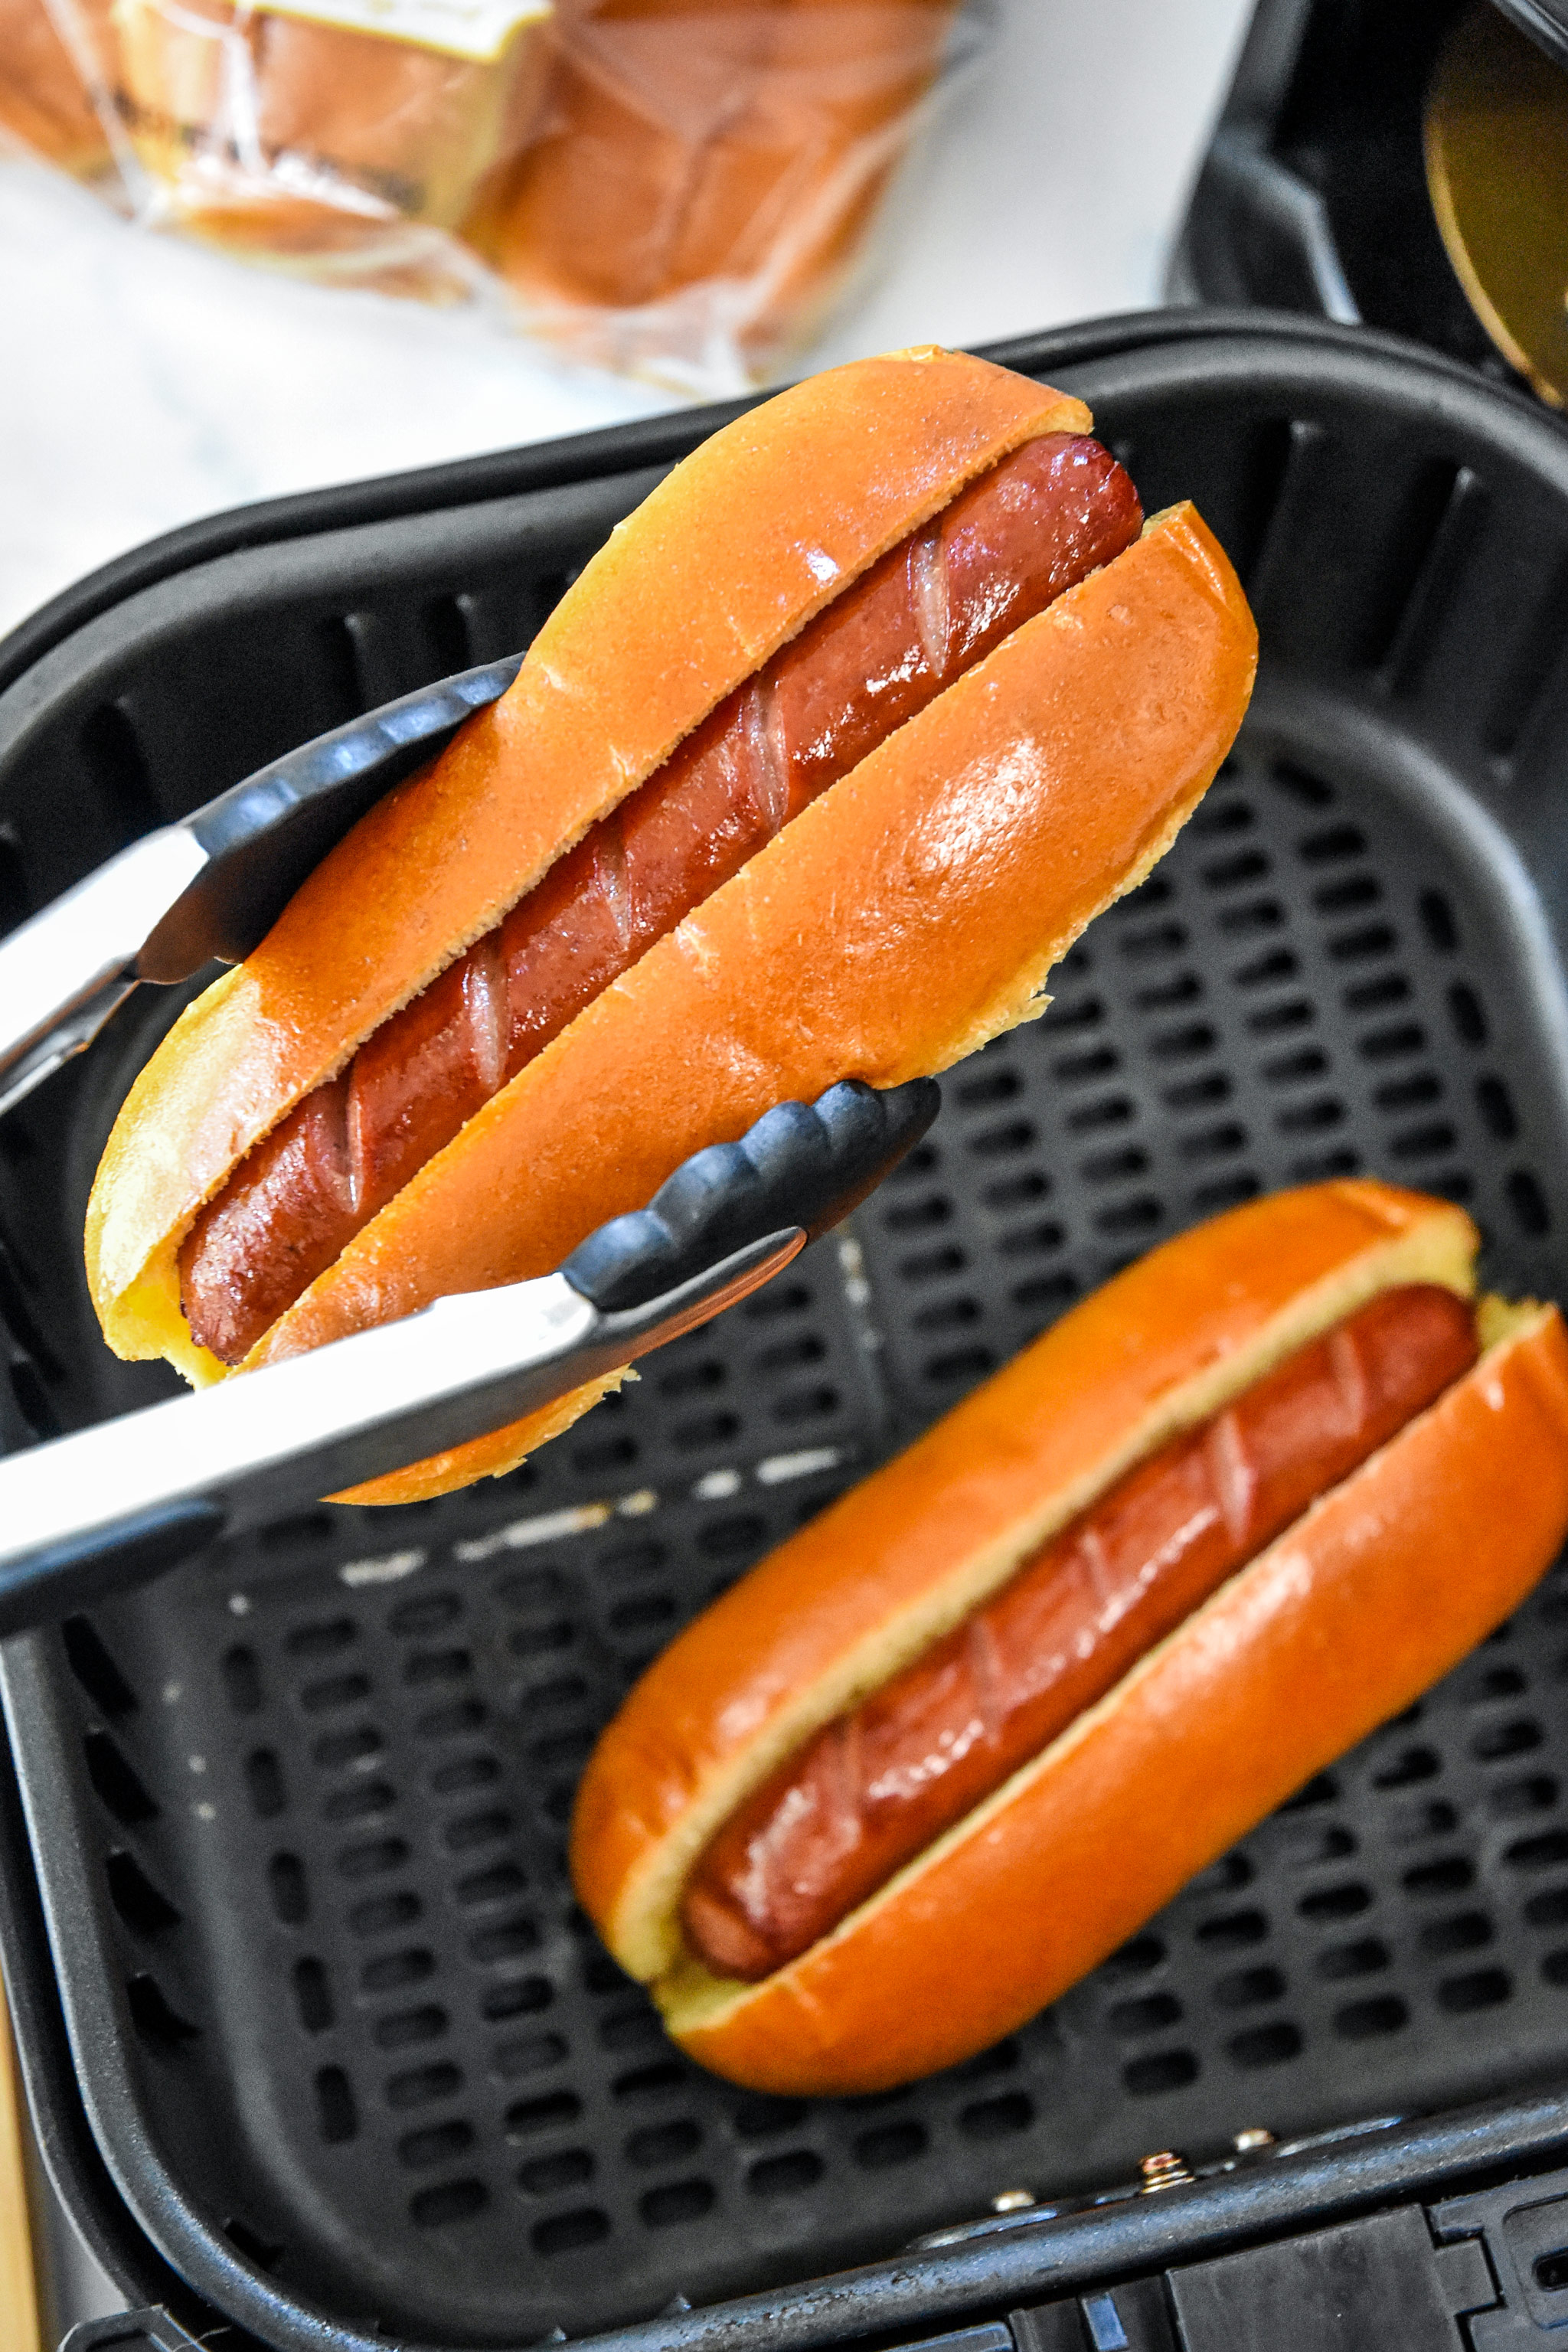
{"x":319,"y":2046}
{"x":1546,"y":22}
{"x":1313,"y":196}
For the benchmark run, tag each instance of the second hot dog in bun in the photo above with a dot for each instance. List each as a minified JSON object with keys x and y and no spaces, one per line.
{"x":816,"y":770}
{"x":1003,"y":1700}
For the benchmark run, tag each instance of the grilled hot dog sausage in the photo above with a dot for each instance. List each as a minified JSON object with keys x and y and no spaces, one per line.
{"x":933,"y":607}
{"x":877,"y":1786}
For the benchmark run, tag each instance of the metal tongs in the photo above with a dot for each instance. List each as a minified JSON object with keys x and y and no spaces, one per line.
{"x":105,"y":1509}
{"x":212,"y":885}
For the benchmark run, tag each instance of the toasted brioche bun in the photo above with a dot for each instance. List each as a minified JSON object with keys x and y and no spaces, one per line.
{"x":892,"y":927}
{"x":1387,"y":1581}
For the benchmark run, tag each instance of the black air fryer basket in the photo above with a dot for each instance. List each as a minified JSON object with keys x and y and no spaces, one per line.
{"x":284,"y":1874}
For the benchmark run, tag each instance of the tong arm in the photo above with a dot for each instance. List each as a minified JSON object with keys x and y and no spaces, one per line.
{"x":64,"y":971}
{"x":111,"y":1506}
{"x":211,"y":885}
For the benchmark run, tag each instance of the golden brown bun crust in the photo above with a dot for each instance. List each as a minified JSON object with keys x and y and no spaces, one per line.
{"x":907,"y":915}
{"x":1161,"y":1347}
{"x":1384,"y":1585}
{"x":743,"y":544}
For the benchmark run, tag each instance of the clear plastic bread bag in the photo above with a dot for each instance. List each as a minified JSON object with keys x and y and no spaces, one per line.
{"x":344,"y":140}
{"x":701,"y":174}
{"x":678,"y":189}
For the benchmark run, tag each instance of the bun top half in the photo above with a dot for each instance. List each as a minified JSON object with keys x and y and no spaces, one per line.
{"x":723,"y":563}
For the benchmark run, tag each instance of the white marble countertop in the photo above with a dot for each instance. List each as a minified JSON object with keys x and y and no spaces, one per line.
{"x":145,"y":381}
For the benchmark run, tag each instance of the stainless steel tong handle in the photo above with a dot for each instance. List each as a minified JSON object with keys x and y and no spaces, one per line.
{"x":114,"y":1504}
{"x":63,"y":972}
{"x":110,"y":1506}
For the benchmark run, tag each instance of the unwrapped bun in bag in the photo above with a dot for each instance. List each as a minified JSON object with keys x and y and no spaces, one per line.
{"x":699,"y":177}
{"x":319,"y":145}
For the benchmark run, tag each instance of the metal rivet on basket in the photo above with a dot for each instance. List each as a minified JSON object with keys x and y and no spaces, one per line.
{"x":1012,"y":2201}
{"x":1256,"y":2136}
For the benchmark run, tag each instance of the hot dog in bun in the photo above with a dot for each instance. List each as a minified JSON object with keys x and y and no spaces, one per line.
{"x":818,"y":767}
{"x":1004,"y":1699}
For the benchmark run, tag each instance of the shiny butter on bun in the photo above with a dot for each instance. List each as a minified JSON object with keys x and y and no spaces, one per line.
{"x":949,"y":1746}
{"x":821,"y":763}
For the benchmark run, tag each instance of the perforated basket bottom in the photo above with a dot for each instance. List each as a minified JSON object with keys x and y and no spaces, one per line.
{"x":331,"y":1783}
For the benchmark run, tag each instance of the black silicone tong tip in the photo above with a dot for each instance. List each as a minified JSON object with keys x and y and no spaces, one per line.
{"x":802,"y":1164}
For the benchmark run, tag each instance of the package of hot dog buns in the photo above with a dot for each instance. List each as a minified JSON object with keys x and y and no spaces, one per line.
{"x":661,"y":187}
{"x":340,"y":140}
{"x":700,"y":180}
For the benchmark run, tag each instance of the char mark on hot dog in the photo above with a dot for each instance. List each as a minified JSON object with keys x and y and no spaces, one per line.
{"x":877,"y":1786}
{"x":932,"y":608}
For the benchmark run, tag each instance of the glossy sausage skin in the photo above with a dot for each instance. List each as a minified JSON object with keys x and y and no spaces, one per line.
{"x":875,"y":1787}
{"x":933,"y":606}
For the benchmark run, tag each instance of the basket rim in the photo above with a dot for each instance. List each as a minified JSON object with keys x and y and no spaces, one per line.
{"x":644,"y":441}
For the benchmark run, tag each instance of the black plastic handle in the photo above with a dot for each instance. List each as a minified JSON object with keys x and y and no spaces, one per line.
{"x":802,"y":1164}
